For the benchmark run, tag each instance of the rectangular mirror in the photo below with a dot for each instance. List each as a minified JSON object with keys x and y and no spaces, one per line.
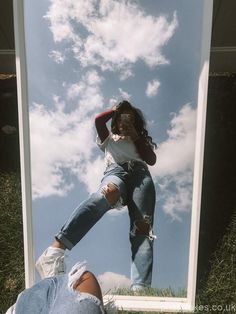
{"x":76,"y":59}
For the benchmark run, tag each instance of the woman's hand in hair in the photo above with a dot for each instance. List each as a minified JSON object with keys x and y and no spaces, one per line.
{"x":114,"y":108}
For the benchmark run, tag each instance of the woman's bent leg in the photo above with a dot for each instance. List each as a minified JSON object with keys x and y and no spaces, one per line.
{"x":83,"y":219}
{"x":51,"y":262}
{"x":90,"y":211}
{"x":112,"y":192}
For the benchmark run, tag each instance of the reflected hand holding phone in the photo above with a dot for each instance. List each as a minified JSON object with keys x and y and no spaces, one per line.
{"x":126,"y":121}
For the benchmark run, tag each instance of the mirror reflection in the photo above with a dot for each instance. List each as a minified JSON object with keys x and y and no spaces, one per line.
{"x":112,"y":104}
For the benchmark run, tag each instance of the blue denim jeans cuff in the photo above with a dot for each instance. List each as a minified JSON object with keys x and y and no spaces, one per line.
{"x":61,"y":238}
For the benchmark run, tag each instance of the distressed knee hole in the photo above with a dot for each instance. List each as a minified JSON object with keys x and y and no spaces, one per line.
{"x":82,"y":278}
{"x":142,"y":227}
{"x":111,"y":193}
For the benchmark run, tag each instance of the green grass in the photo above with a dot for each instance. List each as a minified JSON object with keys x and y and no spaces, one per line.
{"x":11,"y":240}
{"x":220,"y":286}
{"x":153,"y":292}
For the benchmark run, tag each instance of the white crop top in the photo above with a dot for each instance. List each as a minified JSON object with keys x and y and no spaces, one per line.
{"x":118,"y":149}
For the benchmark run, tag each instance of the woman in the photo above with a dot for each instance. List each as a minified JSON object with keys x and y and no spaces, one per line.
{"x":127,"y":181}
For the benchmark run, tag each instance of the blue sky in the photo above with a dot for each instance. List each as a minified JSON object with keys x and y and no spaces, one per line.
{"x":83,"y":57}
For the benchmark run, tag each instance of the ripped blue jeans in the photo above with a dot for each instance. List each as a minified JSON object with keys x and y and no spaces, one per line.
{"x":137,"y":191}
{"x":56,"y":295}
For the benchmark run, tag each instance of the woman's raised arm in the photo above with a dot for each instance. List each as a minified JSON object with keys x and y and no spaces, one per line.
{"x":100,"y":123}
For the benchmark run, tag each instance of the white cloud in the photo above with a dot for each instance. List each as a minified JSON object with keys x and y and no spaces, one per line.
{"x":90,"y":82}
{"x":124,"y":94}
{"x":152,"y":88}
{"x":88,"y":92}
{"x":112,"y":101}
{"x":60,"y":25}
{"x":63,"y":149}
{"x":75,"y":90}
{"x":110,"y":281}
{"x":176,"y":153}
{"x":176,"y":194}
{"x":70,"y":140}
{"x":116,"y":34}
{"x":91,"y":173}
{"x":121,"y":95}
{"x":126,"y":73}
{"x":57,"y":56}
{"x":174,"y":168}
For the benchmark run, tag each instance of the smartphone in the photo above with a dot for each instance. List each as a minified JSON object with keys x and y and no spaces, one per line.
{"x":125,"y":118}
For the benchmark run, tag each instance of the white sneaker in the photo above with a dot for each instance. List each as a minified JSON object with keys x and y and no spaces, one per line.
{"x":51,"y":262}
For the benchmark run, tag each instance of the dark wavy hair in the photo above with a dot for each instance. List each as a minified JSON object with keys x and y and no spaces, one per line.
{"x":139,"y":121}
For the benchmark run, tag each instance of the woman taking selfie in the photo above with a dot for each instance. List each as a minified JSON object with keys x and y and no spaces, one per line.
{"x":128,"y":149}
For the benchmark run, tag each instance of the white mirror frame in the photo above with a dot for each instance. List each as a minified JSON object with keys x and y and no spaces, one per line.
{"x":137,"y":303}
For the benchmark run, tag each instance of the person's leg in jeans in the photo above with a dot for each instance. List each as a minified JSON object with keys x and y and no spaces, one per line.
{"x":111,"y":191}
{"x":88,"y":284}
{"x":141,"y":205}
{"x":53,"y":295}
{"x":87,"y":214}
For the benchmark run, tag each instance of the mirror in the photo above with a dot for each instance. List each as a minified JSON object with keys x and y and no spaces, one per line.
{"x":81,"y":58}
